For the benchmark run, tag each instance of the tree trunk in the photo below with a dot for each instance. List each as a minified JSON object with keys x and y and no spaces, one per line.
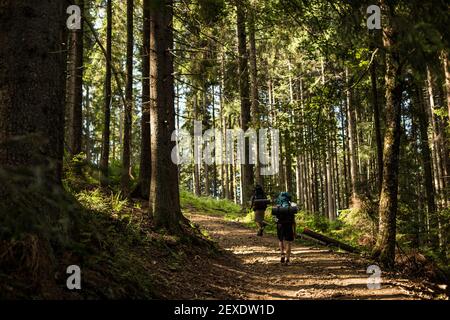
{"x":345,"y":155}
{"x":244,"y":92}
{"x":288,"y":168}
{"x":439,"y":156}
{"x":224,"y":165}
{"x":255,"y":114}
{"x":206,"y":126}
{"x":444,"y":57}
{"x":164,"y":189}
{"x":143,"y":187}
{"x":126,"y":155}
{"x":299,"y":181}
{"x":197,"y":189}
{"x":330,"y":184}
{"x":215,"y":151}
{"x":385,"y":246}
{"x":104,"y":160}
{"x":336,"y":173}
{"x":87,"y":136}
{"x":329,"y":241}
{"x":75,"y":89}
{"x":376,"y":116}
{"x":422,"y":118}
{"x":32,"y":90}
{"x":352,"y":146}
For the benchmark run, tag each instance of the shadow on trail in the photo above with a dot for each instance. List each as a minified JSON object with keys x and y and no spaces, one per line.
{"x":314,"y":272}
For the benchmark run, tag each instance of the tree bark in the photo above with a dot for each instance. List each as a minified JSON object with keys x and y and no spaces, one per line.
{"x":444,"y":58}
{"x":422,"y":118}
{"x":439,"y":156}
{"x":87,"y":135}
{"x":345,"y":152}
{"x":223,"y":121}
{"x":288,"y":168}
{"x":126,"y":151}
{"x":206,"y":126}
{"x":32,"y":90}
{"x":74,"y":100}
{"x":143,"y":187}
{"x":255,"y":113}
{"x":352,"y":146}
{"x":244,"y":92}
{"x":376,"y":117}
{"x":385,"y":246}
{"x":164,"y":189}
{"x":197,"y":187}
{"x":104,"y":160}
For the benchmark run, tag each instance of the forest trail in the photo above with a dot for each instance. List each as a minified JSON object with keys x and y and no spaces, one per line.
{"x":314,"y":273}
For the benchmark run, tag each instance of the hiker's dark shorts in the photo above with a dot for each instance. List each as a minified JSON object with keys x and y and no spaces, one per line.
{"x":259,"y":216}
{"x":285,"y":231}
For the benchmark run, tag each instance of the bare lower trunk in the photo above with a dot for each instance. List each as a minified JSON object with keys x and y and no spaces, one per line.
{"x":439,"y":157}
{"x":376,"y":116}
{"x":425,"y":153}
{"x":75,"y":88}
{"x":104,"y":160}
{"x":244,"y":92}
{"x":143,"y":188}
{"x":254,"y":94}
{"x":352,"y":146}
{"x":164,"y":190}
{"x":126,"y":152}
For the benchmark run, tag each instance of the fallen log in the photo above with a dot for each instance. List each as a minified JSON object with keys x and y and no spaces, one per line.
{"x":328,"y":240}
{"x":308,"y":238}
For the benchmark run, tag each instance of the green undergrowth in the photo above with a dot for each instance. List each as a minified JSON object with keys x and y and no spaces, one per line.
{"x":230,"y":211}
{"x":210,"y":205}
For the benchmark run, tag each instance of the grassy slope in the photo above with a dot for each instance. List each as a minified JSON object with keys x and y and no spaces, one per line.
{"x":119,"y":252}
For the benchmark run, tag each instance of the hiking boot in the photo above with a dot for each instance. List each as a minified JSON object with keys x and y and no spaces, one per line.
{"x":282,"y":260}
{"x":287,"y":261}
{"x":260,"y":233}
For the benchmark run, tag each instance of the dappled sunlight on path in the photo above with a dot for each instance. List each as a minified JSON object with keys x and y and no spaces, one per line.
{"x":314,"y":272}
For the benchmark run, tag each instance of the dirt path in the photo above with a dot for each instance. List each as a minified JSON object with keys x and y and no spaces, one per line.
{"x":314,"y":272}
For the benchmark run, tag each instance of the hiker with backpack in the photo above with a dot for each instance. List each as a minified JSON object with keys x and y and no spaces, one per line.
{"x":259,"y":205}
{"x":284,"y":215}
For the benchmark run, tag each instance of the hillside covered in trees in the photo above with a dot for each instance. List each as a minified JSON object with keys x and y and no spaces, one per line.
{"x":133,"y":132}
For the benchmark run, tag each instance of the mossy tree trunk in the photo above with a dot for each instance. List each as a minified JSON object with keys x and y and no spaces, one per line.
{"x":384,"y":249}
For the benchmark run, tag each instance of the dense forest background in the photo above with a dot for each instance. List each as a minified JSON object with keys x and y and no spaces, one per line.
{"x":363,"y":115}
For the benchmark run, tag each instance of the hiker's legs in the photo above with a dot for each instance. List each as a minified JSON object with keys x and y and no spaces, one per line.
{"x":288,"y":249}
{"x":282,"y":251}
{"x":260,"y":228}
{"x":281,"y":248}
{"x":259,"y":219}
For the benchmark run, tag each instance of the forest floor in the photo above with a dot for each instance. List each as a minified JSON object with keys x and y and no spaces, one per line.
{"x":123,"y":256}
{"x":253,"y":270}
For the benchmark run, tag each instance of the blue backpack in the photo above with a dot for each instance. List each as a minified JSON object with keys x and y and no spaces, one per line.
{"x":284,"y":200}
{"x":284,"y":212}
